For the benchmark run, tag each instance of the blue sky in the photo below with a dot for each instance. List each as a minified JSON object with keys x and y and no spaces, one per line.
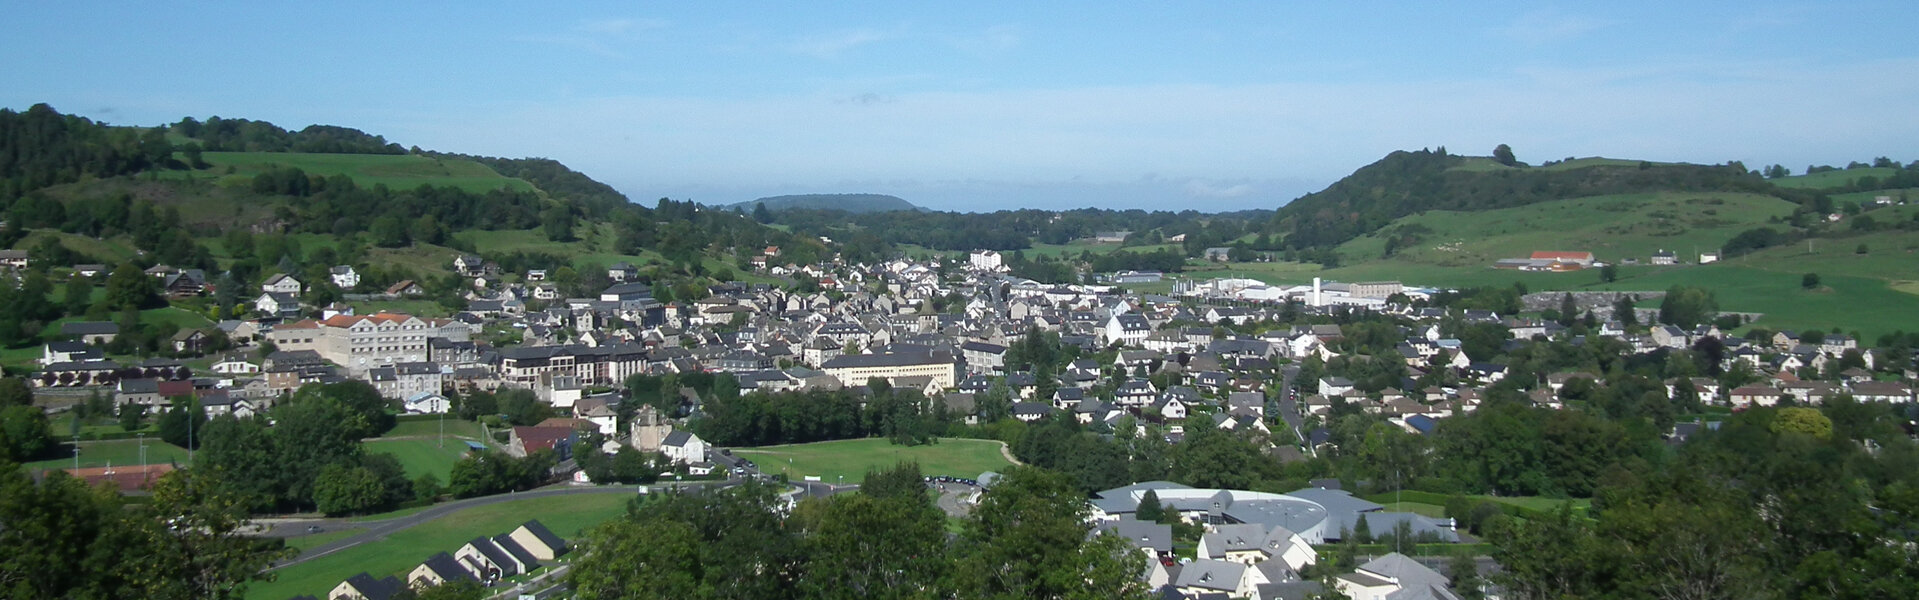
{"x":984,"y":105}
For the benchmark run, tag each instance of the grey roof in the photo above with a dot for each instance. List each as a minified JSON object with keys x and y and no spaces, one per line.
{"x":1235,"y":537}
{"x":1142,"y":534}
{"x":1340,"y":505}
{"x":546,"y":536}
{"x":442,"y":564}
{"x":1211,"y":575}
{"x":677,"y":438}
{"x":1406,"y":571}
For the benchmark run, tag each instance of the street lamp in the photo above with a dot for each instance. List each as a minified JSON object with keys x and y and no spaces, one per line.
{"x":76,"y":453}
{"x":143,"y":451}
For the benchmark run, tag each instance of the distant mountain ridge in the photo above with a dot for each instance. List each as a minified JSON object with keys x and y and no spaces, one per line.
{"x":853,"y":203}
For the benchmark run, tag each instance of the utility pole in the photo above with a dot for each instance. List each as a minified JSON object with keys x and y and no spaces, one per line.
{"x":76,"y":453}
{"x":143,"y":451}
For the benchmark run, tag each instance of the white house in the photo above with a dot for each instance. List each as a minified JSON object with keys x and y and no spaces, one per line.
{"x":281,"y":283}
{"x":1128,"y":329}
{"x":684,"y":447}
{"x":273,"y":303}
{"x":427,"y":403}
{"x":344,"y":276}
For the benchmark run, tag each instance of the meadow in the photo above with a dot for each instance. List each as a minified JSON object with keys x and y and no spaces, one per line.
{"x":851,"y":459}
{"x":396,"y":171}
{"x":422,"y":457}
{"x":567,"y":516}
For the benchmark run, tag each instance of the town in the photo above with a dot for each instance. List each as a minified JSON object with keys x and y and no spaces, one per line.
{"x":1279,"y":364}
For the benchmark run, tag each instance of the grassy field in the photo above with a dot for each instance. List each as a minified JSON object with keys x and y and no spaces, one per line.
{"x":114,"y":452}
{"x":567,"y":516}
{"x":1430,"y":510}
{"x":1831,"y":179}
{"x":431,"y":427}
{"x":1611,"y":227}
{"x":851,"y":459}
{"x":393,"y":170}
{"x":422,"y":456}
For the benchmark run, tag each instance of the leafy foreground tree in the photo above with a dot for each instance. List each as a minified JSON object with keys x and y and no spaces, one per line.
{"x":66,"y":540}
{"x":1027,"y":539}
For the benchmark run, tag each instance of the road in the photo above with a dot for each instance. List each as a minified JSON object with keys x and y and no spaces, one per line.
{"x":378,"y":530}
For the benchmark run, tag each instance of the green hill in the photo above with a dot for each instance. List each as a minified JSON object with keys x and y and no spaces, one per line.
{"x":1407,"y":183}
{"x":852,"y":203}
{"x":396,"y":171}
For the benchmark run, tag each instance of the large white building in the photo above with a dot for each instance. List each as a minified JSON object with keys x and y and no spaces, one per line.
{"x":855,"y":369}
{"x":360,"y":343}
{"x":986,"y":260}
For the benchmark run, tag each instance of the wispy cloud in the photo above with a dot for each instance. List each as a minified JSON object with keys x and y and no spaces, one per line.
{"x":1551,"y":26}
{"x":831,"y":45}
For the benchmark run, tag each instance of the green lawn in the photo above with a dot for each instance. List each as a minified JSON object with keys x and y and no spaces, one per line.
{"x":1430,"y":510}
{"x":308,"y":541}
{"x":394,"y":170}
{"x":567,"y":516}
{"x":455,"y":427}
{"x":1831,"y":179}
{"x":422,"y":456}
{"x":851,"y":459}
{"x":117,"y":452}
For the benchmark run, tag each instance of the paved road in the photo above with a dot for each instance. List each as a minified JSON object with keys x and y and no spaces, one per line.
{"x":377,"y":530}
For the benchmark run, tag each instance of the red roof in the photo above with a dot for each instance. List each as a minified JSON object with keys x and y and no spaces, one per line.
{"x":535,"y":439}
{"x":1551,"y":255}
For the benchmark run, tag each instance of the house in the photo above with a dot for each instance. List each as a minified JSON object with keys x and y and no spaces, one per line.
{"x":622,"y":271}
{"x":437,"y":570}
{"x":282,"y":283}
{"x":526,"y":440}
{"x":1664,"y":257}
{"x":344,"y":276}
{"x":277,"y":304}
{"x":538,"y":541}
{"x":365,"y":587}
{"x":427,"y":403}
{"x":406,"y":288}
{"x":1031,"y":411}
{"x":1393,"y":576}
{"x":469,"y":265}
{"x":1208,"y":576}
{"x":13,"y":259}
{"x":683,"y":447}
{"x":189,"y":341}
{"x":181,"y":284}
{"x":1752,"y":395}
{"x":90,"y":332}
{"x":1129,"y":329}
